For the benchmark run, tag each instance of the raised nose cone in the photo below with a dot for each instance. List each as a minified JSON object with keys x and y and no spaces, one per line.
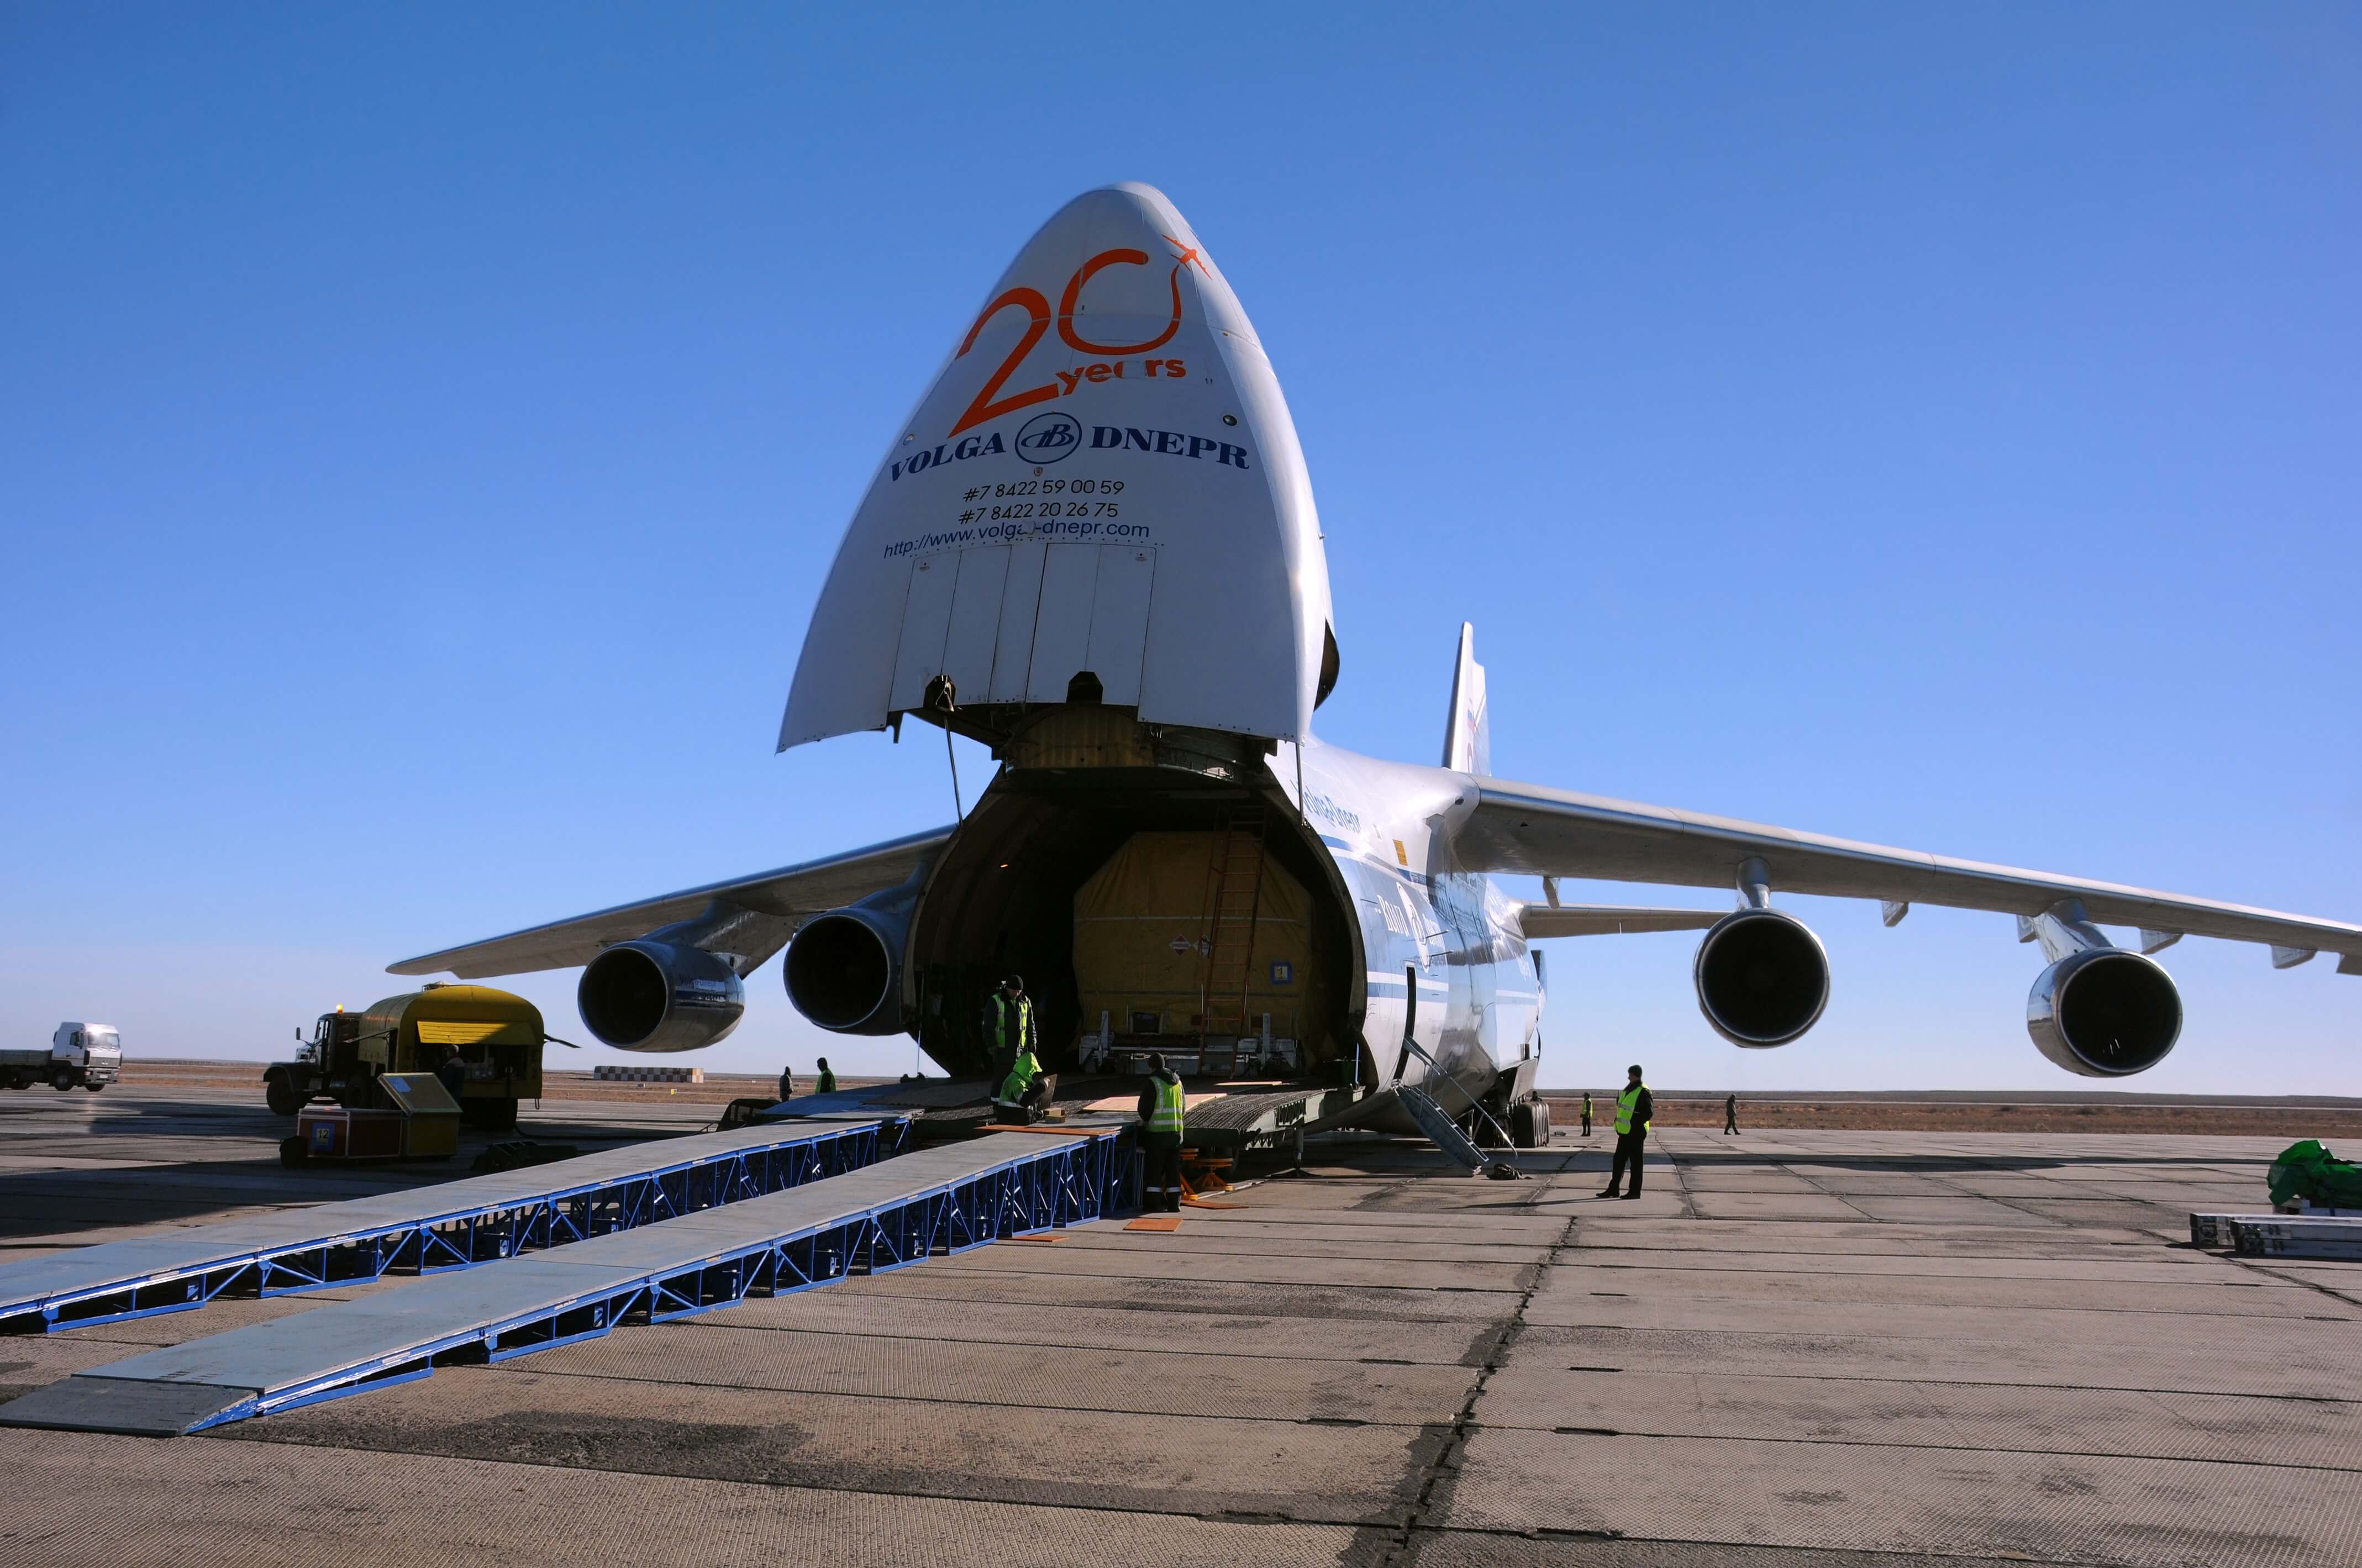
{"x":1104,"y":481}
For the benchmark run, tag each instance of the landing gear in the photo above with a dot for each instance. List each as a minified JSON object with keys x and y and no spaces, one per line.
{"x":1529,"y":1125}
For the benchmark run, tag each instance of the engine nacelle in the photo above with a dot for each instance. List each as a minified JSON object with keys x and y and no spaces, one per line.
{"x":1762,"y":978}
{"x":659,"y":996}
{"x":2105,"y":1013}
{"x":843,"y":970}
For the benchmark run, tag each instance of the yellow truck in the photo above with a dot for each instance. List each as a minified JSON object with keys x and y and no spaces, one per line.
{"x":496,"y":1036}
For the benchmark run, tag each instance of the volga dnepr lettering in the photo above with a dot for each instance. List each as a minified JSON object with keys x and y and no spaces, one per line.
{"x":958,"y":451}
{"x":1104,"y":438}
{"x":1170,"y":443}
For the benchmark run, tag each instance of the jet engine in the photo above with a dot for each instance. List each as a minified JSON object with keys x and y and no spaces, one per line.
{"x":1762,"y":978}
{"x":845,"y":968}
{"x":2105,"y":1013}
{"x":659,"y":996}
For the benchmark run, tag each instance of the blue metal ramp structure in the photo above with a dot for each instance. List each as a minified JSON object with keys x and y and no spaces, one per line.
{"x":900,"y":1211}
{"x":451,"y":1225}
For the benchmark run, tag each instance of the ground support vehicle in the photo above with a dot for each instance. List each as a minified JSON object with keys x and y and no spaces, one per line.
{"x":496,"y":1036}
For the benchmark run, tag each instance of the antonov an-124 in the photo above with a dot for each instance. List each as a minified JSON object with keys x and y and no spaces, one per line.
{"x":1093,"y":548}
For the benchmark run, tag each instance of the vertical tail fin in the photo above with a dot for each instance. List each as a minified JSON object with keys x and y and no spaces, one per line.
{"x":1467,"y":738}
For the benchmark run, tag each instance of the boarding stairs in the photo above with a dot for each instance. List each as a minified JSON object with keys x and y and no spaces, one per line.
{"x":1234,"y":900}
{"x":1441,"y":1129}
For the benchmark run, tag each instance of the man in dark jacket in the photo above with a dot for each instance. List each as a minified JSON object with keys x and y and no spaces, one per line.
{"x":1161,"y":1110}
{"x":1634,"y":1109}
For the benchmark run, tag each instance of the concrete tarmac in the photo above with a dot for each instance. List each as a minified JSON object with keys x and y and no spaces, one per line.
{"x":1840,"y":1349}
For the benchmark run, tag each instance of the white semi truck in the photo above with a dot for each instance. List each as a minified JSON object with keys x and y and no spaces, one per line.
{"x":86,"y":1054}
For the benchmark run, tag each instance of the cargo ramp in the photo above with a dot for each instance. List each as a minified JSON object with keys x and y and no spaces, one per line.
{"x":889,"y":1215}
{"x":431,"y":1229}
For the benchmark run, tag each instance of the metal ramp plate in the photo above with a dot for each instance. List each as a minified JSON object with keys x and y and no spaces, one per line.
{"x":2213,"y":1231}
{"x":944,"y":1199}
{"x":2296,"y":1236}
{"x":451,"y":1225}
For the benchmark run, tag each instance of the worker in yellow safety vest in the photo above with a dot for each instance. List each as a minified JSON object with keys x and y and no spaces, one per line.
{"x":1025,"y":1090}
{"x":1008,"y":1024}
{"x":1634,"y":1111}
{"x":1161,"y":1112}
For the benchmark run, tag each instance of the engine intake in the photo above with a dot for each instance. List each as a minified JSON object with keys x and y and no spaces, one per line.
{"x":2104,"y":1013}
{"x":658,"y":996}
{"x":1762,"y":978}
{"x":845,"y":968}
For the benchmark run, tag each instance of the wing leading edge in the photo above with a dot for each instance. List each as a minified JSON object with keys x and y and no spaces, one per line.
{"x":780,"y":899}
{"x":1530,"y":829}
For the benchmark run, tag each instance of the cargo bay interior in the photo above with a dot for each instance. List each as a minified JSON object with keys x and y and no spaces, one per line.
{"x":1155,"y":893}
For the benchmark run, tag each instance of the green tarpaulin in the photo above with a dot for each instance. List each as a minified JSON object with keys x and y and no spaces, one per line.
{"x":2307,"y":1170}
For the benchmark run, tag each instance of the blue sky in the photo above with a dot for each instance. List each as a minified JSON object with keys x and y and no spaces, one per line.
{"x":423,"y":432}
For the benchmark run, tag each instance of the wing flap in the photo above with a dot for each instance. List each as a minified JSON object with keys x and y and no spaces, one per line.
{"x":787,"y":896}
{"x":1541,"y":832}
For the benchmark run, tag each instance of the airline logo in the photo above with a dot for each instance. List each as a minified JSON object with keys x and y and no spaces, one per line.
{"x":1047,"y":437}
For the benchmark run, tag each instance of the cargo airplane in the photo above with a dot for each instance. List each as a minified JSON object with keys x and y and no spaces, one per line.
{"x":1093,"y":548}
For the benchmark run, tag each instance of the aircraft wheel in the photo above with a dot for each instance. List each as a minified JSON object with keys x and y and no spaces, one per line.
{"x":1541,"y":1125}
{"x":1521,"y":1126}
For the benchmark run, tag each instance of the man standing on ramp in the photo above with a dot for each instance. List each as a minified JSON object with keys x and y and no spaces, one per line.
{"x":1160,"y":1111}
{"x":1730,"y":1115}
{"x":1634,"y":1110}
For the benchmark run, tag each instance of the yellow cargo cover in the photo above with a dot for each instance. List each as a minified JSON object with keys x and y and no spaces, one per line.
{"x":1142,"y":930}
{"x":498,"y":1033}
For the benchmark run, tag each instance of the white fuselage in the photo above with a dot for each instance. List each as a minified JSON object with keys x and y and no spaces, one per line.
{"x":1428,"y":928}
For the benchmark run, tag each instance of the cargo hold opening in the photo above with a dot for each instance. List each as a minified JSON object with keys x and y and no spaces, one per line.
{"x":1179,"y":912}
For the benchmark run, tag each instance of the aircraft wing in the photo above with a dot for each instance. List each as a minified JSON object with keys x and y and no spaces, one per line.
{"x":1609,"y":920}
{"x":1537,"y":830}
{"x":786,"y":897}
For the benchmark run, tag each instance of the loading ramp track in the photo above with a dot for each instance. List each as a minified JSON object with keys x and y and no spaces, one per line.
{"x":429,"y":1229}
{"x":897,"y":1212}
